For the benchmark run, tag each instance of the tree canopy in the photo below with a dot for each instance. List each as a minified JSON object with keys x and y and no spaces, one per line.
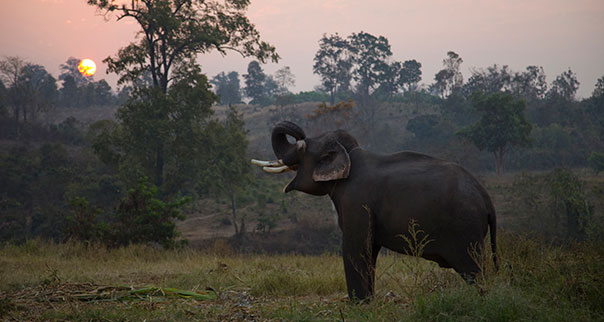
{"x":333,"y":63}
{"x":173,"y":32}
{"x":502,"y":125}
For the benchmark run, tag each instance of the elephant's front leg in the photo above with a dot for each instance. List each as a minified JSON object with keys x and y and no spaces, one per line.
{"x":360,"y":257}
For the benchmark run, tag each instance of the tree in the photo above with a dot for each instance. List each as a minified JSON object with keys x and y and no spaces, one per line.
{"x":333,"y":63}
{"x":70,"y":69}
{"x":493,"y":79}
{"x":173,"y":33}
{"x":369,"y":57}
{"x":565,"y":86}
{"x":390,"y":82}
{"x":254,"y":82}
{"x":11,"y":73}
{"x":259,"y":86}
{"x":82,"y":91}
{"x":599,"y":88}
{"x":284,"y":79}
{"x":228,"y":170}
{"x":163,"y":134}
{"x":449,"y":78}
{"x":530,"y":84}
{"x":102,"y":94}
{"x":141,"y":217}
{"x":70,"y":92}
{"x":502,"y":124}
{"x":39,"y":90}
{"x":227,"y":87}
{"x":30,"y":88}
{"x":410,"y":75}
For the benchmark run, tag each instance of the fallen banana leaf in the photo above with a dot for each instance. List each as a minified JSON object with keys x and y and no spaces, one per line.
{"x":168,"y":291}
{"x":120,"y":293}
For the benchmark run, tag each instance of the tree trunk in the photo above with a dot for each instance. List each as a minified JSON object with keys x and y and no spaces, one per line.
{"x":499,"y":162}
{"x":234,"y":212}
{"x":159,"y":165}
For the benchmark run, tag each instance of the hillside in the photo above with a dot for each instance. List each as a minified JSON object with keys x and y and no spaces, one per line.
{"x":275,"y":221}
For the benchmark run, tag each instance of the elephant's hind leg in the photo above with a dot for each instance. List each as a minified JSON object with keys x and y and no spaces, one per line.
{"x":464,"y":264}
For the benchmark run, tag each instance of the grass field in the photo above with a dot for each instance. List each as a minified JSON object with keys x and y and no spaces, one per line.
{"x":536,"y":282}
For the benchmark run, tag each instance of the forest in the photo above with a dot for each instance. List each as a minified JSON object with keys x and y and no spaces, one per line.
{"x":158,"y":171}
{"x":77,"y":159}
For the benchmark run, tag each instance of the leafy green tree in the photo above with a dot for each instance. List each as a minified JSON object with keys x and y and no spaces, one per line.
{"x":103,"y":95}
{"x":491,"y":80}
{"x":369,"y":57}
{"x":70,"y":69}
{"x":390,"y":82}
{"x":599,"y":88}
{"x":163,"y":133}
{"x":333,"y":63}
{"x":568,"y":199}
{"x":284,"y":79}
{"x":31,"y":89}
{"x":173,"y":33}
{"x":38,"y":89}
{"x":565,"y":86}
{"x":596,"y":161}
{"x":227,"y":88}
{"x":69,"y":92}
{"x":530,"y":84}
{"x":448,"y":79}
{"x":3,"y":102}
{"x":228,"y":170}
{"x":34,"y":184}
{"x":410,"y":75}
{"x":423,"y":126}
{"x":141,"y":217}
{"x":502,"y":124}
{"x":82,"y":224}
{"x":11,"y":74}
{"x":255,"y":83}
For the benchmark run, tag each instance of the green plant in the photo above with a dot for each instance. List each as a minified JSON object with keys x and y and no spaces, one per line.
{"x":596,"y":161}
{"x":143,"y":218}
{"x":82,"y":223}
{"x":568,"y":200}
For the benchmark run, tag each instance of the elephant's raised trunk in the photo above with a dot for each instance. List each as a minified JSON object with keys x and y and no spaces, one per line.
{"x":285,"y":151}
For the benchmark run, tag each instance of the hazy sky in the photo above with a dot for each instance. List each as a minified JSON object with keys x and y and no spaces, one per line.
{"x":555,"y":34}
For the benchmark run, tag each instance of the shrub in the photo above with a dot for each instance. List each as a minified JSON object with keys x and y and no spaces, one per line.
{"x":143,"y":218}
{"x":596,"y":161}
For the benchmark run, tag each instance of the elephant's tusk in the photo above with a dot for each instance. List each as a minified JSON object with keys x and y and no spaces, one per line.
{"x":261,"y":163}
{"x":280,"y":169}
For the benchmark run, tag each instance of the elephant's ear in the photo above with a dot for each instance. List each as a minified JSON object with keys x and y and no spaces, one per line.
{"x":333,"y":164}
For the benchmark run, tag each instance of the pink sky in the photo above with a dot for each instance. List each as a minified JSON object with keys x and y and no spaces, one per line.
{"x":555,"y":34}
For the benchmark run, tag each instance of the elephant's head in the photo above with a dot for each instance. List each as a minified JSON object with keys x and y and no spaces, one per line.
{"x":317,"y":160}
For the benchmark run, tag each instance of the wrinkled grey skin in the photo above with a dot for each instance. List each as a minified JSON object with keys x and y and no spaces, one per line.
{"x":377,"y":195}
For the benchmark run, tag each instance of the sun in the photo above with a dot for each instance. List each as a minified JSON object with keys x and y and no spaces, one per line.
{"x":87,"y":67}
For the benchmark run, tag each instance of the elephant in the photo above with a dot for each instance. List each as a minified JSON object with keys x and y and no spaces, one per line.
{"x":376,"y":197}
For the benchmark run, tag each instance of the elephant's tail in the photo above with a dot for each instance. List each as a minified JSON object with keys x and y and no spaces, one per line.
{"x":493,"y":232}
